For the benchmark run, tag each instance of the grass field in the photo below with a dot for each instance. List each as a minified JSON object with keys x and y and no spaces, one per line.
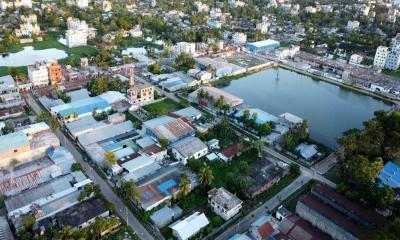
{"x":395,"y":74}
{"x":162,"y":107}
{"x":332,"y":174}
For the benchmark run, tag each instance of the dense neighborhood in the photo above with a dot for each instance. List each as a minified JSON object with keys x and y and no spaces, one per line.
{"x":239,"y":120}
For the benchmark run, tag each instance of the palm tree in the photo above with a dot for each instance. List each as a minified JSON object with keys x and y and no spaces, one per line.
{"x":184,"y":185}
{"x":206,"y":176}
{"x":110,"y":157}
{"x":65,"y":233}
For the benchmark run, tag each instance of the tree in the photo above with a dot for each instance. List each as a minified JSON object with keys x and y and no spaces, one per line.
{"x":264,"y":129}
{"x":184,"y":62}
{"x":110,"y":157}
{"x":98,"y":85}
{"x":206,"y":176}
{"x":117,"y":85}
{"x":130,"y":192}
{"x":154,"y":68}
{"x":244,"y":167}
{"x":8,"y":127}
{"x":360,"y":170}
{"x":289,"y":142}
{"x":164,"y":143}
{"x":219,"y":104}
{"x":245,"y":117}
{"x":66,"y":233}
{"x":294,"y":169}
{"x":257,"y":145}
{"x":28,"y":222}
{"x":76,"y":167}
{"x":195,"y":164}
{"x":184,"y":185}
{"x":50,"y":120}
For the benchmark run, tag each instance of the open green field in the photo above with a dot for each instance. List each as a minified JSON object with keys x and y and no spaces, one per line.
{"x":395,"y":74}
{"x":162,"y":107}
{"x":333,"y":174}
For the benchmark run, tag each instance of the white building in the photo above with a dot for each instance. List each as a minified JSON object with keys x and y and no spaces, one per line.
{"x":78,"y":3}
{"x":38,"y":74}
{"x":224,"y":203}
{"x":381,"y":56}
{"x":189,"y":147}
{"x":28,"y":26}
{"x":262,"y":27}
{"x":23,"y":3}
{"x":393,"y":60}
{"x":188,"y":227}
{"x":355,"y":59}
{"x":136,"y":32}
{"x":184,"y":47}
{"x":239,"y":38}
{"x":77,"y":33}
{"x":353,"y":25}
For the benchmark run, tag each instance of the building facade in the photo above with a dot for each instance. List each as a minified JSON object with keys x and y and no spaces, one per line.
{"x":381,"y":56}
{"x":139,"y":93}
{"x":38,"y":74}
{"x":224,"y":203}
{"x":55,"y":72}
{"x":77,"y":33}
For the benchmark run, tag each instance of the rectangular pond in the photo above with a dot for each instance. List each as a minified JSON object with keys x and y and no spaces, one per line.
{"x":329,"y":109}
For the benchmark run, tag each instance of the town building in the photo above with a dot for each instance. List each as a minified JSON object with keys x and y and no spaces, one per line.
{"x":28,"y":26}
{"x":77,"y":33}
{"x":82,"y":214}
{"x":381,"y":56}
{"x":262,"y":27}
{"x":166,"y":215}
{"x":169,"y":128}
{"x":162,"y":185}
{"x":352,"y":25}
{"x":136,"y":32}
{"x":38,"y":74}
{"x":26,"y":144}
{"x":46,"y":199}
{"x":290,"y":120}
{"x":139,"y":92}
{"x":213,"y":24}
{"x":263,"y":175}
{"x":224,"y":203}
{"x":239,"y":38}
{"x":78,"y":3}
{"x":10,"y":99}
{"x":262,"y":46}
{"x":393,"y":59}
{"x":390,"y":175}
{"x":56,"y":162}
{"x":263,"y":228}
{"x":336,"y":215}
{"x":187,"y":148}
{"x":188,"y":227}
{"x":215,"y":93}
{"x":184,"y":47}
{"x":55,"y":73}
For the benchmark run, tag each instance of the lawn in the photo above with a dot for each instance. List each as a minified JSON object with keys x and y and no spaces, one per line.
{"x":162,"y":107}
{"x":395,"y":74}
{"x":6,"y":70}
{"x":333,"y":174}
{"x":124,"y":233}
{"x":136,"y":42}
{"x":136,"y":122}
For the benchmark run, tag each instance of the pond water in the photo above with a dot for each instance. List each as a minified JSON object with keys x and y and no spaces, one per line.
{"x":29,"y":56}
{"x":329,"y":109}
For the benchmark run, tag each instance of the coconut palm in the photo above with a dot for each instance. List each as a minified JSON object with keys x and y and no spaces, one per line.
{"x":184,"y":185}
{"x":206,"y":176}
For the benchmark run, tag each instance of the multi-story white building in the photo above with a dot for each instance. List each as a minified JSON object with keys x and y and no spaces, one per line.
{"x":28,"y":26}
{"x":38,"y":74}
{"x":381,"y":56}
{"x":136,"y":32}
{"x":78,"y":3}
{"x":23,"y":3}
{"x":393,"y":59}
{"x":184,"y":47}
{"x":353,"y":25}
{"x":224,"y":203}
{"x":77,"y":33}
{"x":239,"y":38}
{"x":262,"y":27}
{"x":139,"y":92}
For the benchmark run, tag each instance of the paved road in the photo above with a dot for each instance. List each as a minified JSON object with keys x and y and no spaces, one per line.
{"x":310,"y":172}
{"x":104,"y":186}
{"x":274,"y":202}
